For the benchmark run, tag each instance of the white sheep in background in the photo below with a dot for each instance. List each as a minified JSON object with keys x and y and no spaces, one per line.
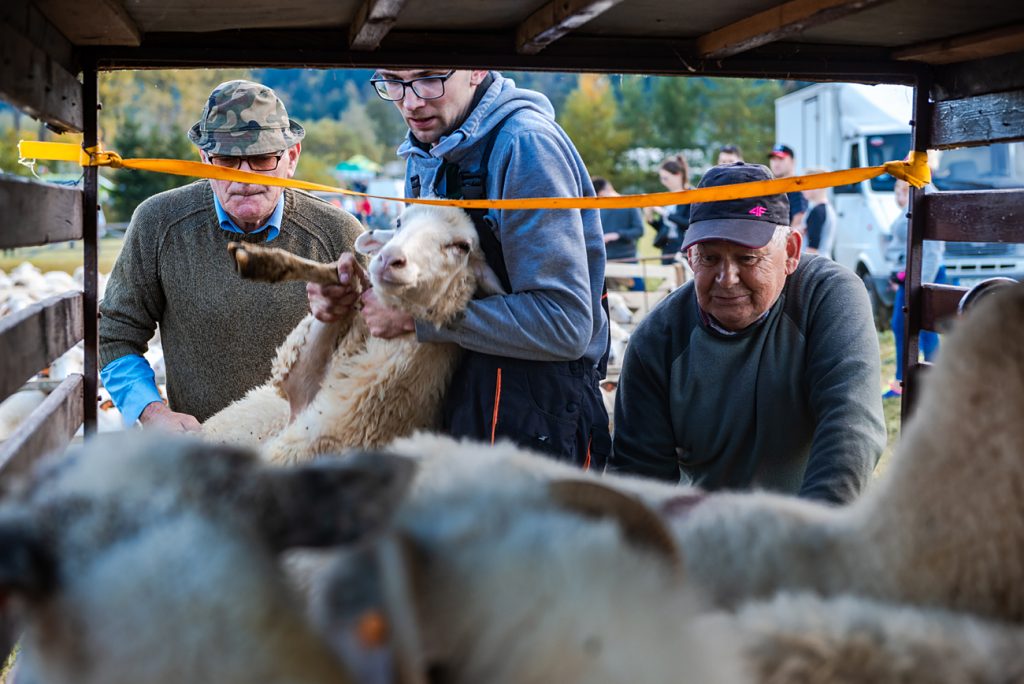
{"x":16,"y":408}
{"x":345,"y":388}
{"x":152,"y":558}
{"x":617,"y":309}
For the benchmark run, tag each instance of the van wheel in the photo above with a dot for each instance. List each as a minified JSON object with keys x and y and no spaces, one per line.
{"x":880,"y":310}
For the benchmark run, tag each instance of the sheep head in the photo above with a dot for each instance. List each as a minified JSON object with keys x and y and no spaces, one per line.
{"x":430,"y":265}
{"x":151,"y":558}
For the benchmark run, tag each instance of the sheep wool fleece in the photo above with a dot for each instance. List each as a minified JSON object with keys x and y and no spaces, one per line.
{"x":790,"y":404}
{"x":219,"y":331}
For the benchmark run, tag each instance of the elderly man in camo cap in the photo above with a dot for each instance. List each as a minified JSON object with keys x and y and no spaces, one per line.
{"x":219,"y":332}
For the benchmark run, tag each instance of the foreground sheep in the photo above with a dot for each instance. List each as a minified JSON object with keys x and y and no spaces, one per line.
{"x":152,"y":559}
{"x":345,"y":388}
{"x":943,"y":527}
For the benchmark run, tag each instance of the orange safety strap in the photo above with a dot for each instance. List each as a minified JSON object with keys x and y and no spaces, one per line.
{"x":914,"y":170}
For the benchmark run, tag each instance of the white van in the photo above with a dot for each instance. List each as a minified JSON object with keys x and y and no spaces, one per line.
{"x":848,"y":125}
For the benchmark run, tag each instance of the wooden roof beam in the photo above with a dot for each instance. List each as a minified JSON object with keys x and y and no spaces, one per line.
{"x":373,"y":21}
{"x":778,"y":23}
{"x":962,"y":48}
{"x":98,"y":22}
{"x":554,"y":20}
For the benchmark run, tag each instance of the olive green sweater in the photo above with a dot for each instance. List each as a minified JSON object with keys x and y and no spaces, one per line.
{"x":218,"y":330}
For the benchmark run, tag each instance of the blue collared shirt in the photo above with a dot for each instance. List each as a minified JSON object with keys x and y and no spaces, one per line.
{"x":130,"y":379}
{"x":272,"y":226}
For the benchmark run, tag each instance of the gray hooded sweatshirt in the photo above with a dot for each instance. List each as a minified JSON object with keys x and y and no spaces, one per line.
{"x":555,"y":258}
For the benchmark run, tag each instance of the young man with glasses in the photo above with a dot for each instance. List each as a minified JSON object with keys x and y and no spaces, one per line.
{"x":533,"y":357}
{"x":218,"y":331}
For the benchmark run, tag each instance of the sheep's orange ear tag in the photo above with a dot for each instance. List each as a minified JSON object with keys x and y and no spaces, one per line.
{"x":372,"y":629}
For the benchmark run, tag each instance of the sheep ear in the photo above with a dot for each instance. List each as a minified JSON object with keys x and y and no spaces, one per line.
{"x":640,"y":525}
{"x":337,"y":500}
{"x":371,"y":242}
{"x":26,"y":567}
{"x":487,"y":281}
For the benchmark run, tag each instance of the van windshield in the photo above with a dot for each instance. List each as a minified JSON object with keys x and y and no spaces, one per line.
{"x":883,"y":148}
{"x":980,"y":168}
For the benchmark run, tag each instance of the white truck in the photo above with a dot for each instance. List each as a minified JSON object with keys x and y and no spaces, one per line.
{"x":833,"y":126}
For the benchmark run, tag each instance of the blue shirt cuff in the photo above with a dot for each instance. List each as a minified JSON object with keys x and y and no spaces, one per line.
{"x":132,"y":386}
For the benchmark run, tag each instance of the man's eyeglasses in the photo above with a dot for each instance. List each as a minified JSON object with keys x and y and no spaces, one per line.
{"x":257,"y":162}
{"x":425,"y":87}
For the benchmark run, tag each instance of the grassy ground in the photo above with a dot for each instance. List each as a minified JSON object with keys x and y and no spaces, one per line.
{"x":64,"y":256}
{"x":890,"y":406}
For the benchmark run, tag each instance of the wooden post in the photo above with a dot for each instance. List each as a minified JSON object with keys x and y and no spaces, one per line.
{"x":90,"y":229}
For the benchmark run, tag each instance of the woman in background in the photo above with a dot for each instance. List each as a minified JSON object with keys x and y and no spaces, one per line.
{"x":672,"y":222}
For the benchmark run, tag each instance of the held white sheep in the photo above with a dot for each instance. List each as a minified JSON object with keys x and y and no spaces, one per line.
{"x":147,"y":558}
{"x":345,"y":388}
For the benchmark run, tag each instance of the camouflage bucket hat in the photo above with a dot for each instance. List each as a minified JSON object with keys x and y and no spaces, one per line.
{"x":244,"y":118}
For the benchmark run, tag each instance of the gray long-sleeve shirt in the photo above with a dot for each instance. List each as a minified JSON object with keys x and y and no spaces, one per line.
{"x":791,"y":404}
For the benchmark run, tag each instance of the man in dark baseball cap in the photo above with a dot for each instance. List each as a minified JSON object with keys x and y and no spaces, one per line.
{"x":762,"y":371}
{"x":782,"y":159}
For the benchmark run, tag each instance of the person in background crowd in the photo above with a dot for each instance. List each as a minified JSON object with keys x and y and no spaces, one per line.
{"x":729,"y":154}
{"x":783,"y":163}
{"x":762,"y":371}
{"x":671,"y":222}
{"x":219,"y":331}
{"x":932,"y":271}
{"x":819,"y":226}
{"x":622,"y":228}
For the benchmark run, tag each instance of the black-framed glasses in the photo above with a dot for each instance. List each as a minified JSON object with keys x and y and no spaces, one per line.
{"x":257,"y":162}
{"x":424,"y":87}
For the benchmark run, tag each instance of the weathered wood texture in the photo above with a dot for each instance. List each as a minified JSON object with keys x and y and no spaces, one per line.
{"x":25,"y":18}
{"x":980,"y":120}
{"x":998,"y":41}
{"x":372,"y":22}
{"x":90,"y":255}
{"x":38,"y":214}
{"x":554,"y":20}
{"x":979,"y":77}
{"x":571,"y":53}
{"x":97,"y":22}
{"x":939,"y":305}
{"x":778,"y":23}
{"x":47,"y":429}
{"x":33,"y":337}
{"x":975,"y":216}
{"x":36,"y":83}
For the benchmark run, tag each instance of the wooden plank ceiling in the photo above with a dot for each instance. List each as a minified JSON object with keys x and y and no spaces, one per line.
{"x":397,"y":31}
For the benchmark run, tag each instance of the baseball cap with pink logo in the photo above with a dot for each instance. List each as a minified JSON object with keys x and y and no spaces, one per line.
{"x":749,"y":222}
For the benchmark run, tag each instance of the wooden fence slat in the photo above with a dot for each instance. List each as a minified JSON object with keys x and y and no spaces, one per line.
{"x":39,"y":85}
{"x":48,"y":428}
{"x":33,"y":337}
{"x":38,"y":214}
{"x":980,"y":120}
{"x":975,"y":216}
{"x":939,"y":304}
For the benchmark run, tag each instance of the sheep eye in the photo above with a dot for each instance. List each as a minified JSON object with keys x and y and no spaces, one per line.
{"x":461,"y":246}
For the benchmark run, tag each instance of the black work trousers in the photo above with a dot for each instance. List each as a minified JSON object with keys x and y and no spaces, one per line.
{"x":551,"y":407}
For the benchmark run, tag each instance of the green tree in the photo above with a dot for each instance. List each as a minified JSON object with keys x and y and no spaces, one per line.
{"x":132,"y":187}
{"x":676,"y":104}
{"x":589,"y":118}
{"x":742,"y":112}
